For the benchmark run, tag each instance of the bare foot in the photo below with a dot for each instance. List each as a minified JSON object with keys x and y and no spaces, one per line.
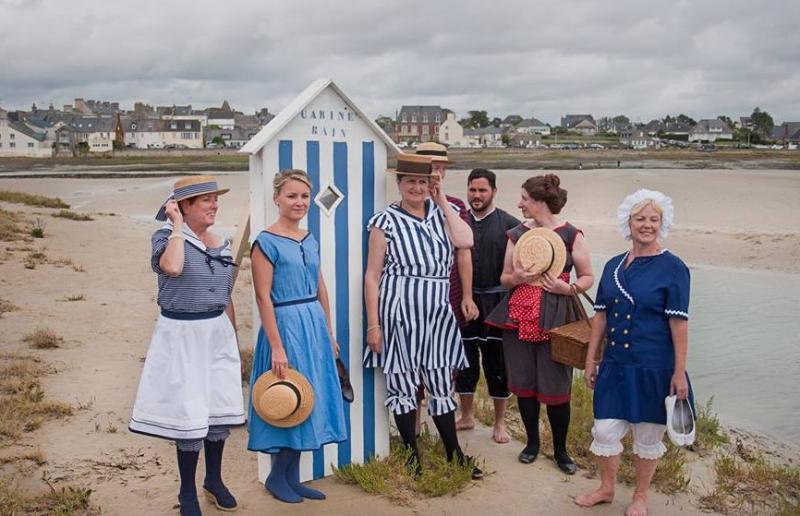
{"x":500,"y":435}
{"x":465,"y":423}
{"x":638,"y":506}
{"x":594,"y":498}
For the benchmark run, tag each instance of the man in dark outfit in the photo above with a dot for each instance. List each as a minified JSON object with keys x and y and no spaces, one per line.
{"x":483,"y":343}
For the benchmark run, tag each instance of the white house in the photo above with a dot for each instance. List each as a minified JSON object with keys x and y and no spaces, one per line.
{"x":484,"y":137}
{"x":531,"y":126}
{"x":185,"y":133}
{"x":20,"y":139}
{"x":186,"y":113}
{"x":96,"y":133}
{"x":344,"y":151}
{"x":710,"y":131}
{"x":221,"y":117}
{"x":451,"y":133}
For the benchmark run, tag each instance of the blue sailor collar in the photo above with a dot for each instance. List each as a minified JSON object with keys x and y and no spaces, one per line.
{"x":619,"y":275}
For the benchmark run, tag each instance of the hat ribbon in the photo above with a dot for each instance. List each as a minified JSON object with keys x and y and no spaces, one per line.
{"x":296,"y":394}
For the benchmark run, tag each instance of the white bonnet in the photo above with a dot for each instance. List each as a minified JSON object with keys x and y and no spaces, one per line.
{"x":663,"y":202}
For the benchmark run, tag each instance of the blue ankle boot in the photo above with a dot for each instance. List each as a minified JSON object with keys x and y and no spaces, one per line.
{"x":293,"y":477}
{"x":276,"y":482}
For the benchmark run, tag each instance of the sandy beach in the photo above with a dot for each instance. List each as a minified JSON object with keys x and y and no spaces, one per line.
{"x":724,"y":218}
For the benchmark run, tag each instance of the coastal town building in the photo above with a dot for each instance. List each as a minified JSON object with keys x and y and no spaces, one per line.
{"x":185,"y":113}
{"x":233,"y":138}
{"x":786,"y":132}
{"x":20,"y":139}
{"x":419,"y":123}
{"x":484,"y":137}
{"x":222,"y":117}
{"x":585,"y":127}
{"x":451,"y":133}
{"x":572,"y":121}
{"x":710,"y":130}
{"x":530,"y":126}
{"x":638,"y":138}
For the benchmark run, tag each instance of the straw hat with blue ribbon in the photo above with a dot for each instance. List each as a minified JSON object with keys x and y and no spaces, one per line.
{"x":190,"y":187}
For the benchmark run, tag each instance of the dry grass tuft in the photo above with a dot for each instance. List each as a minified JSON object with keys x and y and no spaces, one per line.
{"x":9,"y":230}
{"x":747,"y":483}
{"x":43,"y":338}
{"x":73,"y":297}
{"x":37,"y":457}
{"x":31,"y":200}
{"x":7,"y":306}
{"x":23,"y":406}
{"x":389,"y":476}
{"x":34,"y":258}
{"x":62,"y":501}
{"x":71,"y":215}
{"x":37,"y":231}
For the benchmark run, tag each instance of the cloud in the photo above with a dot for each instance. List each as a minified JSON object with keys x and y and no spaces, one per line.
{"x":641,"y":58}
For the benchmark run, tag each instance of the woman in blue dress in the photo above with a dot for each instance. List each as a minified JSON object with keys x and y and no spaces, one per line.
{"x":295,"y":333}
{"x":642,"y":310}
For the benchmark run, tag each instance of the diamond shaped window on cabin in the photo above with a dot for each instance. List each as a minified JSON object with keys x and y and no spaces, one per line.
{"x":328,"y":199}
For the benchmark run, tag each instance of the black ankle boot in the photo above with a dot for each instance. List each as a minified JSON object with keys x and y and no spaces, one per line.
{"x":406,"y":426}
{"x":559,"y":416}
{"x":529,"y":412}
{"x":446,"y":425}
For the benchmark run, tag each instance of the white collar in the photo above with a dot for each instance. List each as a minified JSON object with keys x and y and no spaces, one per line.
{"x":478,"y":219}
{"x":193,"y":239}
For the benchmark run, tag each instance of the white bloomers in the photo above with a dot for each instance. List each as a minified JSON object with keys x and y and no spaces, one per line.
{"x":647,"y":438}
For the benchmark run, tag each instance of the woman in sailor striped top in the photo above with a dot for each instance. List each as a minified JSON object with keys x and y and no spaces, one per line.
{"x":190,"y":389}
{"x":412,"y":332}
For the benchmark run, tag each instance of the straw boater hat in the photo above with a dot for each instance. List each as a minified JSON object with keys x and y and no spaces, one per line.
{"x":541,"y":250}
{"x":413,"y":165}
{"x":436,"y":151}
{"x":191,"y":187}
{"x":283,"y":403}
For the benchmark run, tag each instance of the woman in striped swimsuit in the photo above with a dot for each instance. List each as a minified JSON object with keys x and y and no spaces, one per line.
{"x":412,"y":332}
{"x":191,"y":385}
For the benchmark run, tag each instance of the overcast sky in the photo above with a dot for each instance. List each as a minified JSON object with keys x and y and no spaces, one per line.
{"x":637,"y":57}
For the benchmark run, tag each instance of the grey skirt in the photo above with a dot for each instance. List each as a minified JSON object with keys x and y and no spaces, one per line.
{"x":532,"y":373}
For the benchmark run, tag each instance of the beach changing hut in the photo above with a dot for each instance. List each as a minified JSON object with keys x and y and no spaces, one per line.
{"x":344,"y":151}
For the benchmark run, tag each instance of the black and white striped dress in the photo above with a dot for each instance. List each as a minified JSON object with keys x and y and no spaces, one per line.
{"x":419,"y":328}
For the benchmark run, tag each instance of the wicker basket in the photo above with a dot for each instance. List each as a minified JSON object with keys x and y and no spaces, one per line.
{"x":570,"y":342}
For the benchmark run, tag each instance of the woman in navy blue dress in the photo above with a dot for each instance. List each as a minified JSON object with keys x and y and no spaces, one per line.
{"x":295,"y":332}
{"x":642,"y":310}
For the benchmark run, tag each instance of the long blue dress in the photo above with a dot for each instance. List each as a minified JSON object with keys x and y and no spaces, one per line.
{"x":639,"y":357}
{"x":304,"y":332}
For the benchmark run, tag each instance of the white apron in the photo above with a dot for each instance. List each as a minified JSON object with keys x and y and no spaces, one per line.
{"x":191,"y":379}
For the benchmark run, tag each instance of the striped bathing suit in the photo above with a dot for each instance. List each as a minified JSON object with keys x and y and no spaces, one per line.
{"x":422,"y":342}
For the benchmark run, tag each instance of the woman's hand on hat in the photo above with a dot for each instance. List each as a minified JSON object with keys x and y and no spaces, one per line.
{"x":173,"y":213}
{"x":555,"y":285}
{"x":521,"y":274}
{"x":279,"y":361}
{"x":679,"y":385}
